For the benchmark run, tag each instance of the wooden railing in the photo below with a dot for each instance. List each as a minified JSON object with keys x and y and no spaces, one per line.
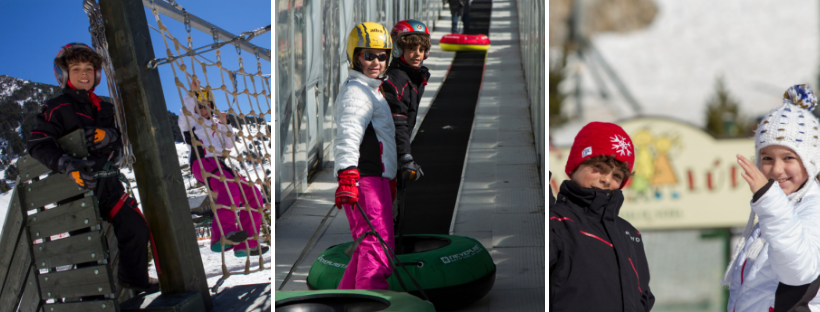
{"x":37,"y":272}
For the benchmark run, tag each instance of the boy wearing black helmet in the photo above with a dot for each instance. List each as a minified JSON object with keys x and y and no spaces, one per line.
{"x":77,"y":69}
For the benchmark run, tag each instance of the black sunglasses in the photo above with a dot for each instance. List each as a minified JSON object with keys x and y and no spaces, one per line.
{"x":372,"y":56}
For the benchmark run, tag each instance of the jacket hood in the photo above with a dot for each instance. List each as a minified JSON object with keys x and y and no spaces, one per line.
{"x":371,"y":82}
{"x":602,"y":202}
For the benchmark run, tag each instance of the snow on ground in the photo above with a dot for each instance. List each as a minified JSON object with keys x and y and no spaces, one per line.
{"x":212,"y":261}
{"x":4,"y":207}
{"x":5,"y":198}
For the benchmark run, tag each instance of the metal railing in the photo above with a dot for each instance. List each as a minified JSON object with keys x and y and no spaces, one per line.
{"x":531,"y":19}
{"x":310,"y":63}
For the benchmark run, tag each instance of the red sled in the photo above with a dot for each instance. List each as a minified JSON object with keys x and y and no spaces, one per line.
{"x":463,"y":42}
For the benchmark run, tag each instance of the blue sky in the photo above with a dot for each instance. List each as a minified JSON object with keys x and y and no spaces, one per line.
{"x":35,"y":31}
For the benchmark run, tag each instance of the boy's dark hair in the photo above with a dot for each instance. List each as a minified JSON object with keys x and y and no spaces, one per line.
{"x":73,"y":56}
{"x":608,"y":160}
{"x":414,"y":40}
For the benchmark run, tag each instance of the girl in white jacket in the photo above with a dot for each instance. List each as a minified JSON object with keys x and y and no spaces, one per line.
{"x":216,"y":139}
{"x":365,"y":153}
{"x":776,"y":264}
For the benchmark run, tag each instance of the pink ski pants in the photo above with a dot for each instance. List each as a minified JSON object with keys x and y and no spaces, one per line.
{"x":226,"y":217}
{"x":368,"y":267}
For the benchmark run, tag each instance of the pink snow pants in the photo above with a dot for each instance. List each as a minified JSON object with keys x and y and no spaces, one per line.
{"x":226,"y":217}
{"x":368,"y":267}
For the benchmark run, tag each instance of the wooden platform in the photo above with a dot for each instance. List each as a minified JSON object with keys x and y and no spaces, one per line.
{"x":244,"y":298}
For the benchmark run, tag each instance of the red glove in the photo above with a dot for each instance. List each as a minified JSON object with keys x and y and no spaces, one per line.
{"x":347,"y":193}
{"x":393,"y":189}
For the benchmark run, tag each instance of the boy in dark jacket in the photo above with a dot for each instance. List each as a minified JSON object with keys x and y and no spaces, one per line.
{"x":404,"y":86}
{"x":77,"y":68}
{"x":597,"y":260}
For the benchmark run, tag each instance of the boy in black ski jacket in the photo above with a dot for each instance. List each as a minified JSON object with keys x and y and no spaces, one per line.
{"x":404,"y":86}
{"x":77,"y":68}
{"x":597,"y":260}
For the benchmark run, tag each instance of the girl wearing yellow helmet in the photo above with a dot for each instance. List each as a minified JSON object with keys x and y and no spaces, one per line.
{"x":365,"y":155}
{"x":214,"y":145}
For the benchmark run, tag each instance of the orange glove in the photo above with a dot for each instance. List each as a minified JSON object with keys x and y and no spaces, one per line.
{"x":79,"y":170}
{"x":98,"y":138}
{"x":347,"y":193}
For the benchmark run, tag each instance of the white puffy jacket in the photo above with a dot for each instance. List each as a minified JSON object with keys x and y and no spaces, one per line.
{"x":358,"y":104}
{"x":203,"y":133}
{"x":790,"y":255}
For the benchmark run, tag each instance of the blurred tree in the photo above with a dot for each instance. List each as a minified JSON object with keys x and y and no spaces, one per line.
{"x":556,"y":97}
{"x":11,"y":172}
{"x":4,"y":186}
{"x":723,"y":118}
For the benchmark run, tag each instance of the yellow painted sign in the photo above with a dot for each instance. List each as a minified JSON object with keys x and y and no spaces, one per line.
{"x":684,"y":178}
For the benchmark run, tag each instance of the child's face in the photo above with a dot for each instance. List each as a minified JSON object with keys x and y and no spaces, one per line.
{"x":373,"y":68}
{"x":784,"y":166}
{"x":599,"y":176}
{"x":414,"y":55}
{"x":203,"y":109}
{"x":81,"y":75}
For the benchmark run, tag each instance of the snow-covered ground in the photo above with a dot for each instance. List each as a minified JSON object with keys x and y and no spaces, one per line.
{"x":4,"y":204}
{"x":212,"y":261}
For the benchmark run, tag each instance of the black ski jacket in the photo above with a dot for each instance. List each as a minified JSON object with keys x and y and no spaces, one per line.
{"x":403,"y":89}
{"x":552,"y":197}
{"x":65,"y":113}
{"x":597,"y":260}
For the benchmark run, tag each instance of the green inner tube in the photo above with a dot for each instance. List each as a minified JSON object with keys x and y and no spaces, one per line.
{"x":348,"y":301}
{"x":454,"y":271}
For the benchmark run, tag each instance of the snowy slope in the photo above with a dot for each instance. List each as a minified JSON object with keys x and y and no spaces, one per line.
{"x":21,"y":90}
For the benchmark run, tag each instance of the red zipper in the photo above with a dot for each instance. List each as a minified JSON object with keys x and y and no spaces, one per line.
{"x":600,"y":239}
{"x":636,"y":275}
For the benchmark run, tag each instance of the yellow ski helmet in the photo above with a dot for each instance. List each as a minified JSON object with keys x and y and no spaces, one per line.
{"x":203,"y":95}
{"x":368,"y":35}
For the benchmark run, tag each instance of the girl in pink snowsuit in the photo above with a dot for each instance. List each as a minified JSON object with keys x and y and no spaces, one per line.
{"x":365,"y":156}
{"x":242,"y":194}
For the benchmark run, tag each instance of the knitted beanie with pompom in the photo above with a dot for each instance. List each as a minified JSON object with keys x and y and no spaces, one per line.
{"x":792,"y":125}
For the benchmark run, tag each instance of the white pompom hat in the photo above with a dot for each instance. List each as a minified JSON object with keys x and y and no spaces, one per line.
{"x":792,"y":125}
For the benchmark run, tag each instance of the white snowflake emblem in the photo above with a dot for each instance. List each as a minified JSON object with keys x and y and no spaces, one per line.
{"x":621,"y":146}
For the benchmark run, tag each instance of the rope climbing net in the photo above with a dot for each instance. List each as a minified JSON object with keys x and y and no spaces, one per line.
{"x":97,"y":31}
{"x":247,"y":98}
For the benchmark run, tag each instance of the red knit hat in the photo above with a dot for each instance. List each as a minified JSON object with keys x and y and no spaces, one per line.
{"x":601,"y":138}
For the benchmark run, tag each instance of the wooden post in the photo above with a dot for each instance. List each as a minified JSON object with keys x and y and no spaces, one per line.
{"x":162,"y":192}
